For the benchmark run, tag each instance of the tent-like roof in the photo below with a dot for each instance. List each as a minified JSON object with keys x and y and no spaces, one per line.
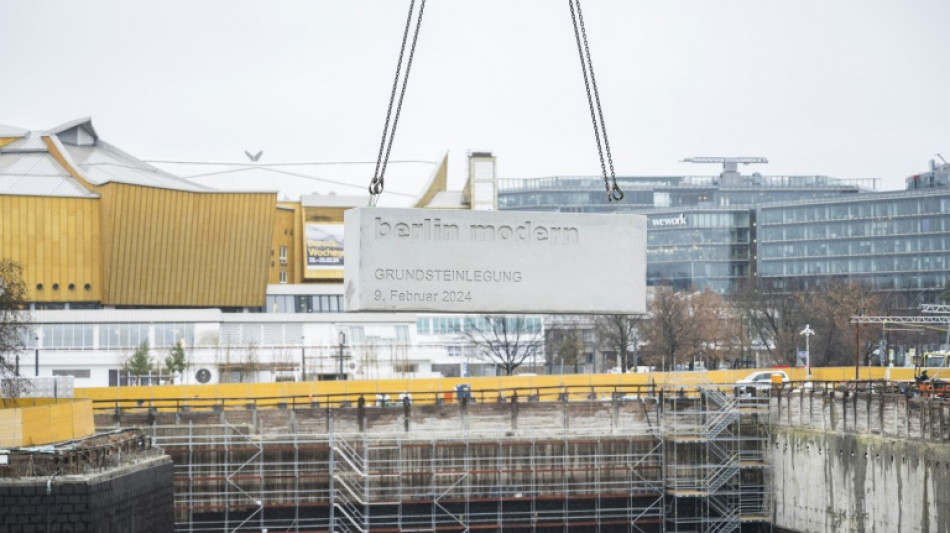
{"x":404,"y":179}
{"x":46,"y":163}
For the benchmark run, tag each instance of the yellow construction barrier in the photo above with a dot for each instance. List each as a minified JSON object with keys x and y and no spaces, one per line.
{"x":427,"y":390}
{"x":38,"y":421}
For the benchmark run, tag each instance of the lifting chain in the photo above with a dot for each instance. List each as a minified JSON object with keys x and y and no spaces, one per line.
{"x":386,"y":144}
{"x":596,"y":114}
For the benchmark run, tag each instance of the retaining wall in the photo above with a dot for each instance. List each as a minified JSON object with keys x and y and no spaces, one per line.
{"x":136,"y":498}
{"x":857,"y":462}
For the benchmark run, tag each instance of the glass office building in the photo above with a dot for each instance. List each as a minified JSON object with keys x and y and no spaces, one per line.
{"x":888,"y":241}
{"x":792,"y":231}
{"x":699,"y":248}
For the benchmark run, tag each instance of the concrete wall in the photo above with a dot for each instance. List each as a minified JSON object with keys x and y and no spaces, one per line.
{"x":860,"y":462}
{"x":133,"y":499}
{"x":833,"y":482}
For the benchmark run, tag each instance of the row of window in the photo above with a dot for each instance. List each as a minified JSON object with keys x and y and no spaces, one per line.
{"x":878,"y":282}
{"x":911,"y":264}
{"x":454,"y":325}
{"x":698,"y":236}
{"x":112,"y":336}
{"x":318,"y":303}
{"x":698,"y":253}
{"x":852,"y":228}
{"x":864,"y":247}
{"x":657,"y":272}
{"x":892,"y":207}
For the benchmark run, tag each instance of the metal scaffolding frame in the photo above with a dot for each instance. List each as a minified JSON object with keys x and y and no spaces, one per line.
{"x":694,"y":461}
{"x":717,"y":472}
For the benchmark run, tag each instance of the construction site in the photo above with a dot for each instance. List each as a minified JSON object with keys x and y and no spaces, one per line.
{"x":684,"y":458}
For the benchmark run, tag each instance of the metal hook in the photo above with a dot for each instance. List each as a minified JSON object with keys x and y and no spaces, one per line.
{"x":614,"y":193}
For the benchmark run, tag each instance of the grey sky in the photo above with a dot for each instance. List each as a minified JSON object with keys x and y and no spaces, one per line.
{"x":849,"y":88}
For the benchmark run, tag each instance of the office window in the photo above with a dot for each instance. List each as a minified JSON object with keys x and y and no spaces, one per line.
{"x":283,"y":276}
{"x":74,"y":372}
{"x":283,"y":255}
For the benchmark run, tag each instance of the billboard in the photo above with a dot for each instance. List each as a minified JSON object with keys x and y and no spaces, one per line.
{"x":323,"y":246}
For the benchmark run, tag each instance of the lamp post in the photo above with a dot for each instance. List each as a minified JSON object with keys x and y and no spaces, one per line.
{"x":303,"y":359}
{"x":36,"y":360}
{"x":807,"y":332}
{"x":342,"y":338}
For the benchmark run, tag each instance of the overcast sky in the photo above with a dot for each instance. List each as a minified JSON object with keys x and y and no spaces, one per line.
{"x":846,"y":88}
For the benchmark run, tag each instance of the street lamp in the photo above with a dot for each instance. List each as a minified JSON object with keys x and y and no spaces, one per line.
{"x":303,"y":359}
{"x":342,"y":342}
{"x":36,"y":360}
{"x":807,"y":332}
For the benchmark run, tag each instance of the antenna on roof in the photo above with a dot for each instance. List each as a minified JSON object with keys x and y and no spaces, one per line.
{"x":254,"y":157}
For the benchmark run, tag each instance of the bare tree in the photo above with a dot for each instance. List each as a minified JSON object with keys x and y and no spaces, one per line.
{"x":564,"y":343}
{"x":250,"y":367}
{"x":684,"y":326}
{"x":15,"y":323}
{"x":773,"y":318}
{"x":619,"y":334}
{"x":829,"y":314}
{"x":507,"y":341}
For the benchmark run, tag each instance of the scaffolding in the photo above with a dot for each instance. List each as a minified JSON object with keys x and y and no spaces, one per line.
{"x":686,"y":460}
{"x":717,"y":472}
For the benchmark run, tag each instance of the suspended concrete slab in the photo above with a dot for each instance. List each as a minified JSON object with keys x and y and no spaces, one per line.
{"x":424,"y":260}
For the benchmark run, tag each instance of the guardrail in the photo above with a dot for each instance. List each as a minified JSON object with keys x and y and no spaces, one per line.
{"x":551,"y":393}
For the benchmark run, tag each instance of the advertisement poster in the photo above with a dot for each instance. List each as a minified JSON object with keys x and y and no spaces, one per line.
{"x":324,"y":246}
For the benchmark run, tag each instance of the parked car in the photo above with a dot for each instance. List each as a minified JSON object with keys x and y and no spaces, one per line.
{"x":759,"y":381}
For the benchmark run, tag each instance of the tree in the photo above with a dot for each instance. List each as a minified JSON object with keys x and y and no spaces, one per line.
{"x":140,"y":362}
{"x":15,"y":324}
{"x":684,"y":326}
{"x":176,"y":362}
{"x":773,"y":318}
{"x":619,"y":334}
{"x":829,"y":314}
{"x":564,"y":342}
{"x":505,"y":340}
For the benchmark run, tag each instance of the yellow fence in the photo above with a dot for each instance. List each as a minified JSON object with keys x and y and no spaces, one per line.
{"x":33,"y":422}
{"x":581,"y":385}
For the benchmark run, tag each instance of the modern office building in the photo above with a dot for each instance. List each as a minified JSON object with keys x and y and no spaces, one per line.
{"x":700,"y":247}
{"x":898,"y":241}
{"x":717,"y":232}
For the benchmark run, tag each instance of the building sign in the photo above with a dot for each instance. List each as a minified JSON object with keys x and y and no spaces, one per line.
{"x":324,"y":246}
{"x":494,"y":262}
{"x":670,"y":221}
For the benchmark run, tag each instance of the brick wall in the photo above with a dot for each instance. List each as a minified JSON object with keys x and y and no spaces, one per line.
{"x":135,"y":499}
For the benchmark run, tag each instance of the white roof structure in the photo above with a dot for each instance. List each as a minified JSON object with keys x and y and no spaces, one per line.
{"x":29,"y":166}
{"x":12,"y":131}
{"x":403,"y":181}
